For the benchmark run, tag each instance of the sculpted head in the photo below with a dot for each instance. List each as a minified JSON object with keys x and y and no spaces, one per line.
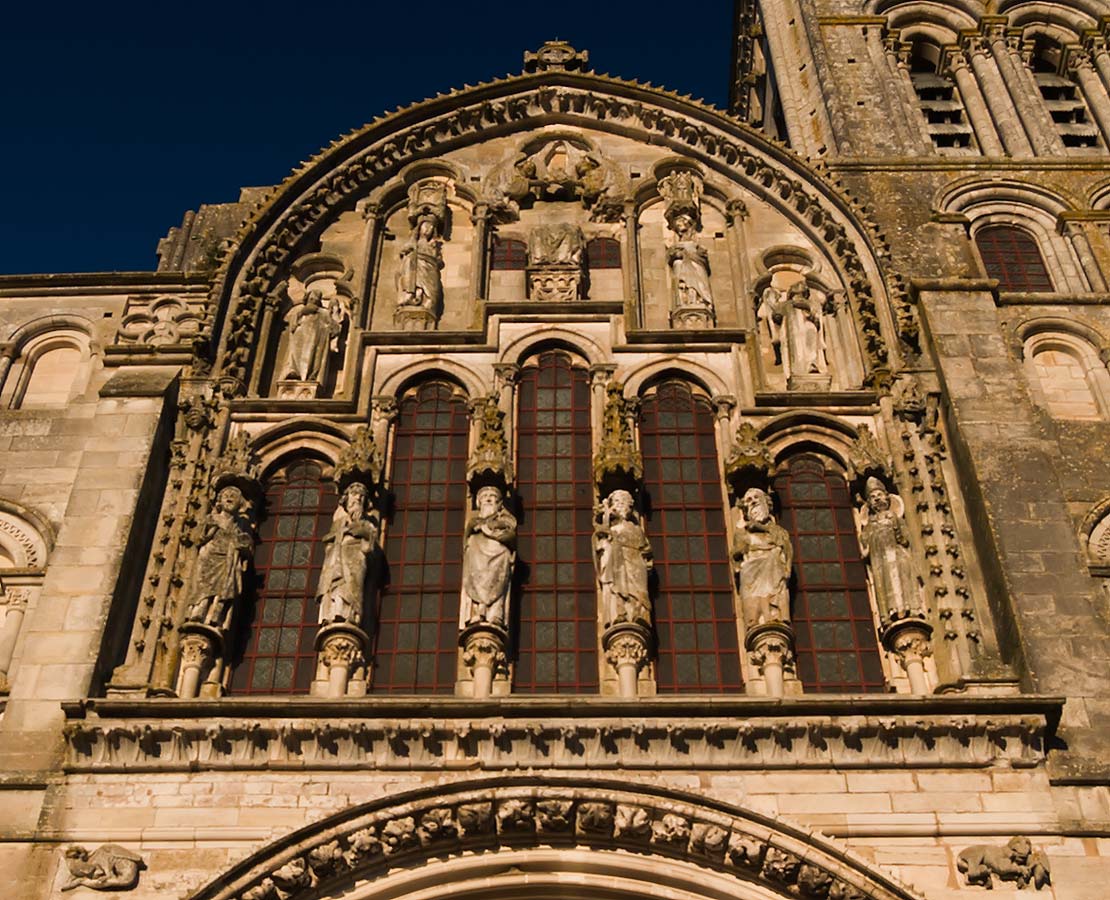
{"x":355,"y":499}
{"x":314,"y":299}
{"x":878,"y":498}
{"x":756,"y":505}
{"x":620,"y":502}
{"x":488,"y":500}
{"x":229,"y":499}
{"x":1020,"y":849}
{"x":683,"y":224}
{"x":426,"y":227}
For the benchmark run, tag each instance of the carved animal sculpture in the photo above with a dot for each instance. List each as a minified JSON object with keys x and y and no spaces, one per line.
{"x":1017,"y":861}
{"x":107,"y":867}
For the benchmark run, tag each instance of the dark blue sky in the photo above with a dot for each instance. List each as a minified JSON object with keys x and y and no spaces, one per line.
{"x":118,"y":117}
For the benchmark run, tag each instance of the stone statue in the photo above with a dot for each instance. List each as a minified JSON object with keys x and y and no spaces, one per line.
{"x":689,"y":263}
{"x":798,"y":316}
{"x":559,"y":245}
{"x":418,"y":280}
{"x":488,"y":561}
{"x":109,"y":867}
{"x":762,"y":556}
{"x":352,"y":538}
{"x":313,"y":329}
{"x":225,"y":549}
{"x":1017,"y":861}
{"x":509,"y":183}
{"x":884,"y":543}
{"x":623,"y":561}
{"x":604,"y":187}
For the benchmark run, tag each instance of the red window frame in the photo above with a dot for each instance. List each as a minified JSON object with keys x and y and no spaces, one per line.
{"x":836,"y":645}
{"x":508,"y":255}
{"x":416,"y":627}
{"x":277,"y":639}
{"x":695,"y":613}
{"x":603,"y":253}
{"x":1013,"y":256}
{"x":556,"y":628}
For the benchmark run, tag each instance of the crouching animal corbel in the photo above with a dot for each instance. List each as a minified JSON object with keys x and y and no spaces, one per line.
{"x":109,"y":867}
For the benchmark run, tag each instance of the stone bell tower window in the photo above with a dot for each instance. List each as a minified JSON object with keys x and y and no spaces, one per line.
{"x":695,"y":618}
{"x":416,"y":628}
{"x":557,"y":633}
{"x":1012,"y":256}
{"x":836,"y":645}
{"x":277,"y":654}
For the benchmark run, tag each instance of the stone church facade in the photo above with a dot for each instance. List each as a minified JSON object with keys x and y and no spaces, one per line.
{"x":563,"y":488}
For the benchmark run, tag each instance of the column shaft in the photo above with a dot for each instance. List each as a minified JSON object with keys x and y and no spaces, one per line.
{"x":975,"y":106}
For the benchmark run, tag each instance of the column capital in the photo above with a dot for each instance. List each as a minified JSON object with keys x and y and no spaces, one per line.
{"x":724,"y":405}
{"x":506,"y":373}
{"x":384,"y":406}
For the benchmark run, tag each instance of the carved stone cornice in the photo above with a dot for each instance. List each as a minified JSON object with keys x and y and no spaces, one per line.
{"x":352,"y":735}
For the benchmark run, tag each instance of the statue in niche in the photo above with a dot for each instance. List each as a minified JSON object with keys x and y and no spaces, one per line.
{"x":488,"y":561}
{"x":689,"y":262}
{"x":884,"y":543}
{"x":556,"y":245}
{"x":313,"y":327}
{"x":109,"y":867}
{"x":762,"y":556}
{"x":418,"y":281}
{"x":798,"y":316}
{"x":623,"y":561}
{"x":350,"y":541}
{"x":225,"y":549}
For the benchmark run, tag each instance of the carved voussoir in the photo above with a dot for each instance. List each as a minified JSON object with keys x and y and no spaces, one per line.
{"x":595,"y":819}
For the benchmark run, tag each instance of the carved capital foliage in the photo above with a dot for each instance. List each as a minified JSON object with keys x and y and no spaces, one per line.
{"x":485,"y":650}
{"x":360,"y":460}
{"x":627,"y":649}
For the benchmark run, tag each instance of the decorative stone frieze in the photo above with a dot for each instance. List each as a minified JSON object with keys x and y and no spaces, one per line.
{"x":345,"y":740}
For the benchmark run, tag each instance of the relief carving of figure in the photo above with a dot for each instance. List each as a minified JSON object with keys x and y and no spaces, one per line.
{"x":623,"y":561}
{"x":225,"y":549}
{"x":418,"y":280}
{"x":510,"y":182}
{"x":559,"y":245}
{"x":488,"y":560}
{"x":313,"y":331}
{"x":798,"y":316}
{"x":1017,"y":861}
{"x":689,"y":262}
{"x":350,"y":541}
{"x":108,"y":867}
{"x":884,"y":543}
{"x":762,"y":556}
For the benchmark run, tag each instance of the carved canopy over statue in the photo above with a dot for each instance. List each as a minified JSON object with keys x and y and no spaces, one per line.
{"x":353,"y":537}
{"x":762,"y":556}
{"x":488,"y":561}
{"x":624,"y":559}
{"x":225,"y":549}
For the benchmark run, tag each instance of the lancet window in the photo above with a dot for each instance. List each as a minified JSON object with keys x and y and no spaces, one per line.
{"x":416,"y":626}
{"x":557,"y":627}
{"x":695,"y":617}
{"x":836,"y":646}
{"x":277,"y":654}
{"x":1011,"y":255}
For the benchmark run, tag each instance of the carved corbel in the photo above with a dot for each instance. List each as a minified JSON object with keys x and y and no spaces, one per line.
{"x":749,"y":463}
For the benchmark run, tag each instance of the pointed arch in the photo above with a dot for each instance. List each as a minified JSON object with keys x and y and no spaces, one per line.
{"x":399,"y":846}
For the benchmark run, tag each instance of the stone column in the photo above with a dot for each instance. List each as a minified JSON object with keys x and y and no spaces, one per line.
{"x":269,"y":310}
{"x":372,"y":217}
{"x":8,"y":353}
{"x":626,"y":649}
{"x":480,"y":218}
{"x":1093,"y":89}
{"x":736,"y":214}
{"x":898,"y":64}
{"x":771,"y":648}
{"x":484,"y":653}
{"x":383,"y":410}
{"x":909,"y":641}
{"x":1074,"y":231}
{"x":630,"y":260}
{"x":1005,"y":116}
{"x":1096,"y":47}
{"x":723,"y":407}
{"x":506,"y":376}
{"x":974,"y":104}
{"x":600,"y":376}
{"x":1023,"y":88}
{"x":14,"y":603}
{"x":341,"y":650}
{"x":201,"y":648}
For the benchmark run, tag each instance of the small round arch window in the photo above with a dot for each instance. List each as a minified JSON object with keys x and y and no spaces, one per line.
{"x":1012,"y":255}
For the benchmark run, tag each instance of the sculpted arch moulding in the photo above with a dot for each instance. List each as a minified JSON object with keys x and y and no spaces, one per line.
{"x":708,"y":848}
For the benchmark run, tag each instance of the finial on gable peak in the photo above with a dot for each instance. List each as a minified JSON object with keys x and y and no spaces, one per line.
{"x":556,"y":55}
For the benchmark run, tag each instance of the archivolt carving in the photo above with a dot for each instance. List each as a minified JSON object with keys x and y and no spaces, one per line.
{"x":370,"y":842}
{"x":577,"y":100}
{"x":24,"y":542}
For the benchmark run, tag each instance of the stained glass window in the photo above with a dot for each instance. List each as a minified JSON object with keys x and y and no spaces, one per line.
{"x":836,"y":645}
{"x":557,"y":626}
{"x":603,"y":253}
{"x":695,"y":617}
{"x":508,"y":254}
{"x":416,"y":632}
{"x":1012,"y":256}
{"x":277,"y":653}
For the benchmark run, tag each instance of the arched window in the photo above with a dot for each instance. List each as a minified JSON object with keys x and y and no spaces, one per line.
{"x":938,"y":99}
{"x":51,"y":369}
{"x":1062,"y":377}
{"x":1011,"y":255}
{"x":603,"y":253}
{"x":557,"y":624}
{"x":508,"y":255}
{"x":416,"y":632}
{"x":695,"y":616}
{"x":836,"y":645}
{"x":1062,"y":96}
{"x":277,"y":653}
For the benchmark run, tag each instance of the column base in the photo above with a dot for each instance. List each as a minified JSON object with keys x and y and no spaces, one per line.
{"x":809,"y":383}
